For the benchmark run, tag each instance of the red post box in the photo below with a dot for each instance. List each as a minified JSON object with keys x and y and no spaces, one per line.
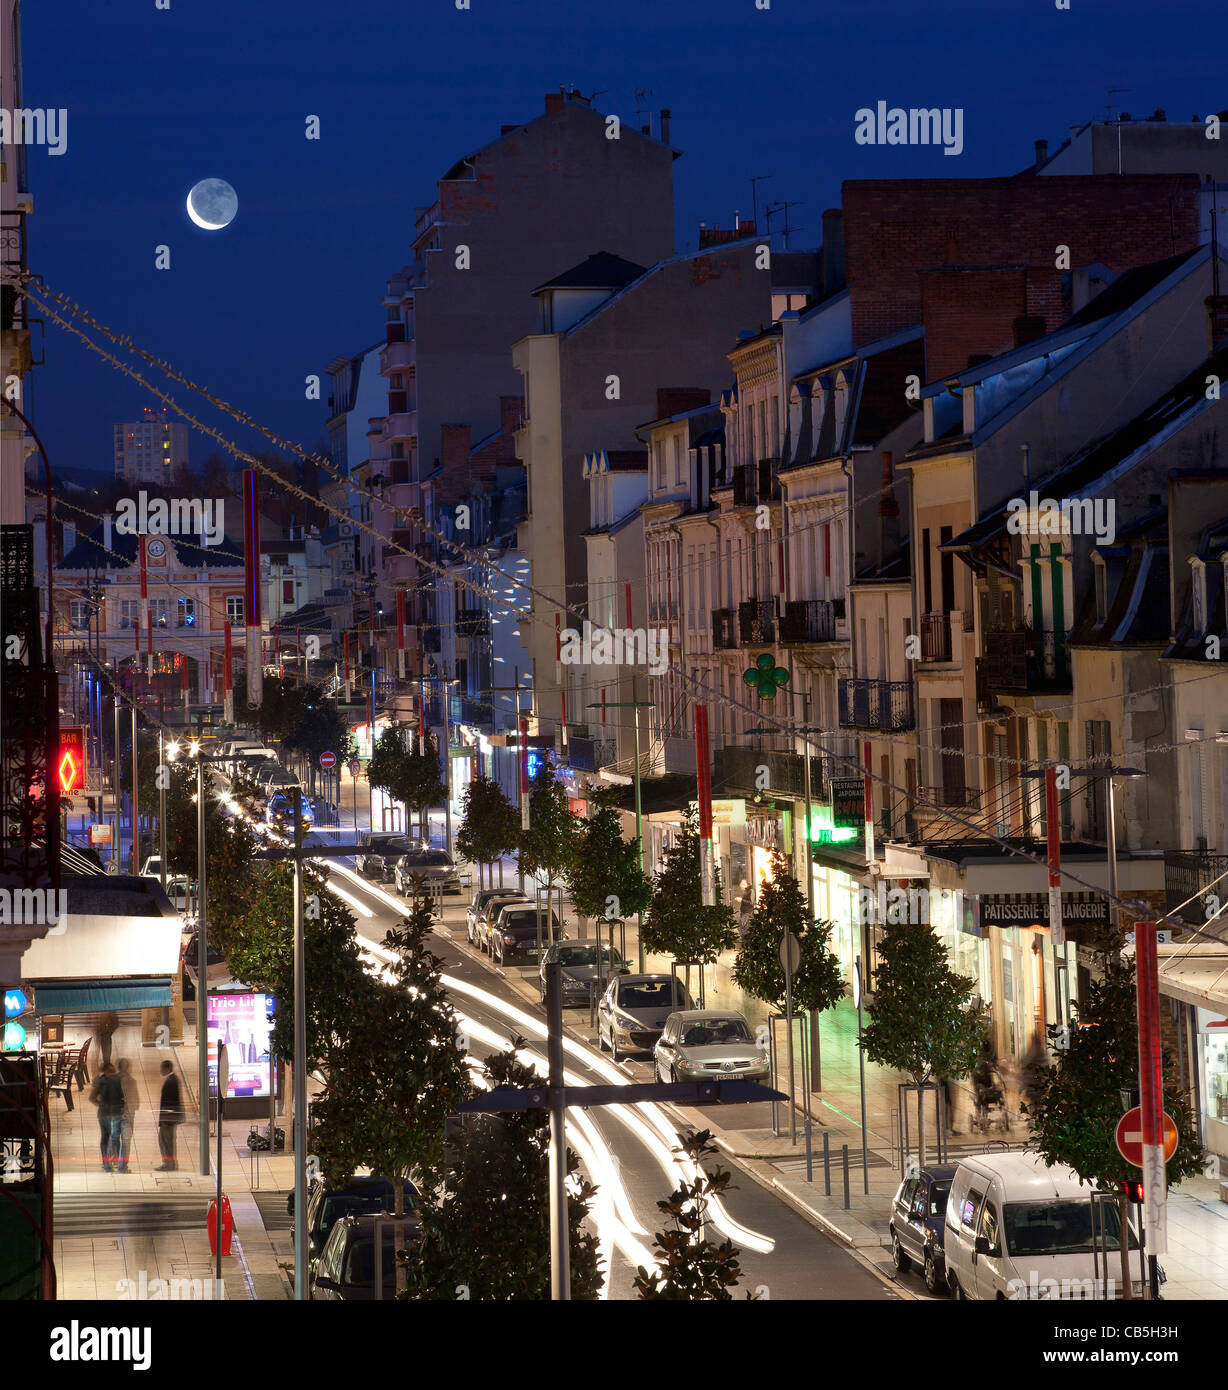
{"x":228,"y":1226}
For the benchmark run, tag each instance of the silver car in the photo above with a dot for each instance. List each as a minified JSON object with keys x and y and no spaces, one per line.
{"x":633,"y":1011}
{"x":436,"y":866}
{"x":710,"y":1044}
{"x":475,"y":913}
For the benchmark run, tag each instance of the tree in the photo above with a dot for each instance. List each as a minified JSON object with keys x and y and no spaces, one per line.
{"x":424,"y":785}
{"x":691,"y":1268}
{"x":260,"y":952}
{"x":491,"y":827}
{"x":388,"y":768}
{"x":1075,"y":1099}
{"x":402,"y":1072}
{"x":604,"y":878}
{"x":817,"y":982}
{"x":500,"y":1183}
{"x":921,"y":1020}
{"x":677,"y":923}
{"x":548,"y":846}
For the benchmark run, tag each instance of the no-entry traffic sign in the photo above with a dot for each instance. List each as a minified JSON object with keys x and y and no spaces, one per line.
{"x":1130,"y":1136}
{"x":328,"y":760}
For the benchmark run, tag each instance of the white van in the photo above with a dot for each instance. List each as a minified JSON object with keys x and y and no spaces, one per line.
{"x":1017,"y":1228}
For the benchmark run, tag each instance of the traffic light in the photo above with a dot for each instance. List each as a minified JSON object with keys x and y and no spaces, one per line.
{"x":765,"y":676}
{"x":70,"y":761}
{"x":1133,"y":1190}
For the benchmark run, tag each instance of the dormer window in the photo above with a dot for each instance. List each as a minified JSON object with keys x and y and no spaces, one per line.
{"x":1199,"y":574}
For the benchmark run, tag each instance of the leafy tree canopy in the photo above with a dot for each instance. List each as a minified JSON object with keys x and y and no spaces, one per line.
{"x":677,"y":923}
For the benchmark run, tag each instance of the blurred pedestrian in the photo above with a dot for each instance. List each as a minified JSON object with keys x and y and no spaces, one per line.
{"x":170,"y":1117}
{"x":104,"y":1031}
{"x":108,"y":1095}
{"x":132,"y":1103}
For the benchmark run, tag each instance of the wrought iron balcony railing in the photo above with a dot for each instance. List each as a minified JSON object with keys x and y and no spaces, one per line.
{"x":936,"y":637}
{"x":1024,"y":661}
{"x":724,"y":631}
{"x":1191,"y":876}
{"x":872,"y":704}
{"x":810,"y":620}
{"x":757,"y":621}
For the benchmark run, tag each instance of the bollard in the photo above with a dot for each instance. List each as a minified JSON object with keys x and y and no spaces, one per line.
{"x":809,"y":1154}
{"x":846,"y":1177}
{"x":826,"y":1164}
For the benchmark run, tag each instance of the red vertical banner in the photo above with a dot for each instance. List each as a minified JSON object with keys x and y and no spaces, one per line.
{"x":1057,"y":933}
{"x":868,"y":762}
{"x":558,"y":639}
{"x":703,"y":788}
{"x":563,"y":711}
{"x":524,"y":774}
{"x":422,"y":711}
{"x":1151,"y":1088}
{"x":226,"y":668}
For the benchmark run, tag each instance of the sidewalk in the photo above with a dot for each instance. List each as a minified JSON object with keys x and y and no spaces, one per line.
{"x":116,"y":1233}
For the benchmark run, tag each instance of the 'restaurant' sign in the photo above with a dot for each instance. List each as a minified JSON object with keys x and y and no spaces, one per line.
{"x":848,"y":802}
{"x":1032,"y":910}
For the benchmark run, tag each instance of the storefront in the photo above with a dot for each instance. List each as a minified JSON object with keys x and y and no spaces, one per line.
{"x":1213,"y":1079}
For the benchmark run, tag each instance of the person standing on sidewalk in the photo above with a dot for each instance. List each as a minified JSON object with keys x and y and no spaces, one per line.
{"x":108,"y":1095}
{"x":170,"y":1117}
{"x":132,"y":1103}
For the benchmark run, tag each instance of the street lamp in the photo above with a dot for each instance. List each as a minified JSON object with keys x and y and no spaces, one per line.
{"x":636,"y":704}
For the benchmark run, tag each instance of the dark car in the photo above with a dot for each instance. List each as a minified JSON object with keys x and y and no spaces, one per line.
{"x":360,"y":1197}
{"x":345,"y":1271}
{"x":581,"y":969}
{"x":917,"y":1223}
{"x":475,"y":913}
{"x":633,"y":1010}
{"x":514,"y":932}
{"x":379,"y":852}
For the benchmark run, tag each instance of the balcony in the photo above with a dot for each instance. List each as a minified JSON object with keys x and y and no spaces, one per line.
{"x":724,"y":633}
{"x":590,"y":754}
{"x":1024,"y":662}
{"x":810,"y":620}
{"x":398,"y":357}
{"x":936,"y":637}
{"x":757,"y":622}
{"x":869,"y":704}
{"x":737,"y":770}
{"x":1190,"y":876}
{"x":472,"y":622}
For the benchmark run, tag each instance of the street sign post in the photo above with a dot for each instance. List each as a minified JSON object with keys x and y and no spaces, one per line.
{"x":790,"y":959}
{"x":223,"y":1085}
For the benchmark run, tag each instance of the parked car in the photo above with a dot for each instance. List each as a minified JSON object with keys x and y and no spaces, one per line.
{"x":361,"y":1196}
{"x":632,"y":1012}
{"x":918,"y":1220}
{"x":379,"y":852}
{"x":708,"y":1044}
{"x":513,"y":933}
{"x":1019,"y":1228}
{"x":582,"y":970}
{"x":345,"y":1271}
{"x":485,"y":924}
{"x":475,"y":913}
{"x":281,"y":810}
{"x":434,"y":865}
{"x":152,"y":867}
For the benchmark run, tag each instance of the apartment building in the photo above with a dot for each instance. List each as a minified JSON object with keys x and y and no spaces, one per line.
{"x":151,"y":450}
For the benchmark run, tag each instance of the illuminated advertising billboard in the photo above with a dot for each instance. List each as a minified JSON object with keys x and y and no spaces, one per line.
{"x":244,"y":1023}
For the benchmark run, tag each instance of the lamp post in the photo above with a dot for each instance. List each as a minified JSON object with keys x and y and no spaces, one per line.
{"x":635,"y":704}
{"x":202,"y":957}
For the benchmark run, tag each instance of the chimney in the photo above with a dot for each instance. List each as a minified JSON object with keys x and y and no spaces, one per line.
{"x":554,"y":102}
{"x":511,"y":413}
{"x":665,"y":125}
{"x":454,"y":461}
{"x":106,"y":531}
{"x":833,"y":251}
{"x":1217,"y":319}
{"x":1042,"y":151}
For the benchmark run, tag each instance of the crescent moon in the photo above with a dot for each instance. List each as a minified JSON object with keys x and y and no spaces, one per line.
{"x":219,"y":198}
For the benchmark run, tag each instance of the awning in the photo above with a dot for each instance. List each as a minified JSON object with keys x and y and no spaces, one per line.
{"x":1194,"y":977}
{"x":96,"y":996}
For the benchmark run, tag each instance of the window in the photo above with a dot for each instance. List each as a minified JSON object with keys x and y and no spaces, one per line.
{"x":129,"y":611}
{"x":287,"y":591}
{"x":79,"y":613}
{"x":1200,"y":595}
{"x":1102,"y":595}
{"x":969,"y":1208}
{"x":158,"y":614}
{"x":234,"y":609}
{"x":185,"y":615}
{"x":989,"y":1228}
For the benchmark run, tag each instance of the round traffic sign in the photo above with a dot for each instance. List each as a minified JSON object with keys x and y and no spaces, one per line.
{"x":328,"y":760}
{"x":790,"y":953}
{"x":355,"y":767}
{"x":1130,"y":1136}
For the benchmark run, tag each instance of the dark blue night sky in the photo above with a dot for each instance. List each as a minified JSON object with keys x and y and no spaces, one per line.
{"x":159,"y":99}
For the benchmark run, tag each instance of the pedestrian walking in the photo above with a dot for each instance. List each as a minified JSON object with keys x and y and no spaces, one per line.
{"x":948,"y":1103}
{"x":104,"y":1031}
{"x":132,"y":1103}
{"x":108,"y":1095}
{"x":170,"y":1117}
